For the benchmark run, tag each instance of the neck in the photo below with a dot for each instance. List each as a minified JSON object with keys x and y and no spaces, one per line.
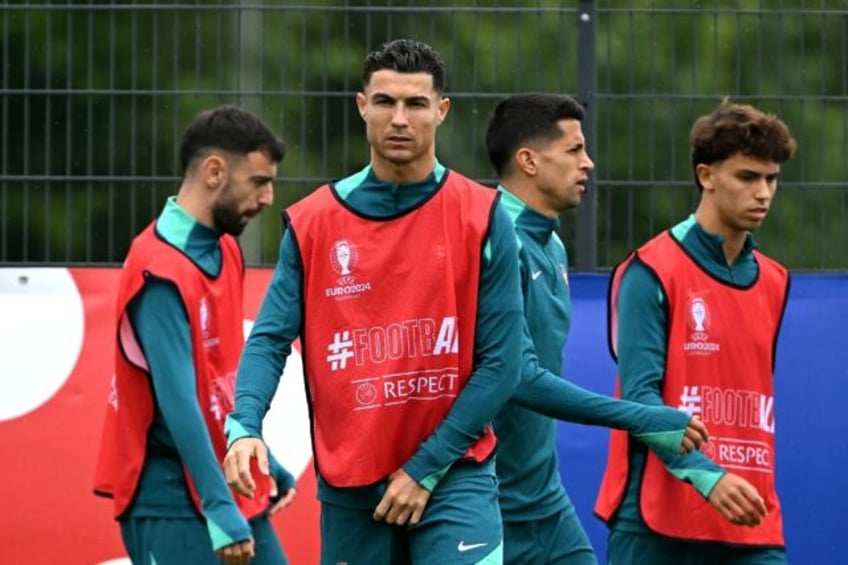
{"x":526,"y":191}
{"x":188,"y":198}
{"x":414,"y":171}
{"x":734,"y":239}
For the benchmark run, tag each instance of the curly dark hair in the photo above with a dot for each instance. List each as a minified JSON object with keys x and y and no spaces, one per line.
{"x":739,"y":128}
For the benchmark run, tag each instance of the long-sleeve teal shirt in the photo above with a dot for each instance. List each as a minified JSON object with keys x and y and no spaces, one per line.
{"x":527,"y":463}
{"x":178,"y":438}
{"x":642,"y":342}
{"x":497,"y":338}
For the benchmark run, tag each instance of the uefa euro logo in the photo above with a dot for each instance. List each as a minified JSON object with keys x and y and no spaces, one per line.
{"x":699,"y":321}
{"x":343,"y":259}
{"x":699,"y":318}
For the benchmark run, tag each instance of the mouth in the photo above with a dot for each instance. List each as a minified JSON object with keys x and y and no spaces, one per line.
{"x":758,"y":213}
{"x":399,"y":139}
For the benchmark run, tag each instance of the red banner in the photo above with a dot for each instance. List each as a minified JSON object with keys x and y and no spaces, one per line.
{"x":57,"y":333}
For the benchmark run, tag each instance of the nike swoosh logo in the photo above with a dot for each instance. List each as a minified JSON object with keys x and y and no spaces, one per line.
{"x":463,"y":547}
{"x":536,"y":275}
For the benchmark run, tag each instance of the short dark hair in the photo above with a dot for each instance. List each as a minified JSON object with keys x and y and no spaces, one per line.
{"x":231,"y":129}
{"x":406,"y":56}
{"x":525,"y":118}
{"x":739,"y":128}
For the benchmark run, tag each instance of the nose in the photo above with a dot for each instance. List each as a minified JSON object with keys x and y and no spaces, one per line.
{"x":765,"y":189}
{"x":399,"y":116}
{"x":589,"y":165}
{"x":266,"y":195}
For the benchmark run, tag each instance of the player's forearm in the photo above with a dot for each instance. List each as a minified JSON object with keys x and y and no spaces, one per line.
{"x":260,"y":367}
{"x":496,"y":371}
{"x":642,"y":339}
{"x":269,"y":344}
{"x":484,"y":394}
{"x":695,"y":468}
{"x":163,"y":332}
{"x":545,"y":393}
{"x":192,"y":441}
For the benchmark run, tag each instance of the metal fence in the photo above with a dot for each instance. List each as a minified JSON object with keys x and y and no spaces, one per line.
{"x":94,"y":97}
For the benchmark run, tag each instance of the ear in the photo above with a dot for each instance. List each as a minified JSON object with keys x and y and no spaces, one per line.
{"x":525,"y":160}
{"x":361,"y":103}
{"x":704,"y":174}
{"x":213,"y":171}
{"x":443,"y":107}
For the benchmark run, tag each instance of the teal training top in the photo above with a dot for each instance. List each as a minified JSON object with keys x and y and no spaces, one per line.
{"x":642,"y":339}
{"x":497,"y":337}
{"x":178,"y":434}
{"x":527,"y":464}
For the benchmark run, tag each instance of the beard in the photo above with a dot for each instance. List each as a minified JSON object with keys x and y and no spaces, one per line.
{"x":226,"y":215}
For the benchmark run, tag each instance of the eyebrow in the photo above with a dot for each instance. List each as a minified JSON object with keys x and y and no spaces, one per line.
{"x":757,"y":174}
{"x":413,"y":98}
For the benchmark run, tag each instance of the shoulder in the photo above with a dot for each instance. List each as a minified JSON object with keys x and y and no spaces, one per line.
{"x":765,"y":261}
{"x":639,"y":283}
{"x":469,"y":188}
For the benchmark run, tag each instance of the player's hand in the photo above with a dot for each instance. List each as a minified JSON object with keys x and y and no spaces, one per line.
{"x":239,"y":553}
{"x":404,"y":501}
{"x":738,"y":501}
{"x":278,"y":504}
{"x":237,"y":464}
{"x":696,"y":434}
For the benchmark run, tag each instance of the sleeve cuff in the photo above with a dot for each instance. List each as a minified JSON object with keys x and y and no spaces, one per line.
{"x":707,"y":484}
{"x":703,"y":480}
{"x":427,"y":482}
{"x":668,"y":442}
{"x":285,"y":480}
{"x":235,"y":431}
{"x":220,"y":538}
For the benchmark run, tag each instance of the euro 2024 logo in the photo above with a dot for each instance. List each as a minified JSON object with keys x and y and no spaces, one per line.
{"x":699,"y":318}
{"x":343,"y":258}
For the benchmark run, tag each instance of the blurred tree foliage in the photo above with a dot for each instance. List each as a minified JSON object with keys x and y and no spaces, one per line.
{"x":95,"y":95}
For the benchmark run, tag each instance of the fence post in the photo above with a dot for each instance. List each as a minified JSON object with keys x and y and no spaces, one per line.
{"x":248,"y":22}
{"x":586,"y":233}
